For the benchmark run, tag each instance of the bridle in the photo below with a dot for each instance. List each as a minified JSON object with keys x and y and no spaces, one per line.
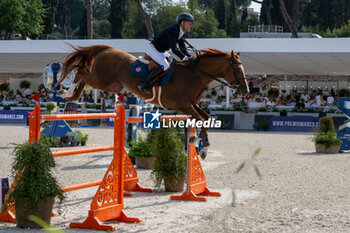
{"x":232,"y":63}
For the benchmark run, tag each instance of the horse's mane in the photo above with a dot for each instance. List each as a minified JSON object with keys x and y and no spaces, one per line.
{"x":211,"y":52}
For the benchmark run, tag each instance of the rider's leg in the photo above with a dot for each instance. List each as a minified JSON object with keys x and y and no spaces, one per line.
{"x":158,"y":57}
{"x":154,"y":73}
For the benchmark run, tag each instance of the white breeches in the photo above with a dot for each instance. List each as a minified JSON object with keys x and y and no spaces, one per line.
{"x":157,"y":56}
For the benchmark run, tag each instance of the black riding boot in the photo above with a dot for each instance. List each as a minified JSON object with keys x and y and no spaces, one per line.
{"x":154,"y":73}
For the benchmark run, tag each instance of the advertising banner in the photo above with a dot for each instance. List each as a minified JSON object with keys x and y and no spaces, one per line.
{"x":13,"y":116}
{"x":294,"y":123}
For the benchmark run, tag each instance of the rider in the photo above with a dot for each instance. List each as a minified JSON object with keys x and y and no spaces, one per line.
{"x":167,"y":39}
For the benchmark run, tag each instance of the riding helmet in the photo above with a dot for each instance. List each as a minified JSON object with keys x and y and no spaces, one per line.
{"x":184,"y":17}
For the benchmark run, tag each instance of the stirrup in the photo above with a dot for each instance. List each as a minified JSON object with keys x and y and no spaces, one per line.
{"x":143,"y":87}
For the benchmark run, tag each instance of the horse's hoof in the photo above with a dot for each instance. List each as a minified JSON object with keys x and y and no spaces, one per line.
{"x":203,"y":153}
{"x":192,"y":139}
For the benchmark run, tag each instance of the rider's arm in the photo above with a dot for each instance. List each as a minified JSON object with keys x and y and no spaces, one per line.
{"x":172,"y":43}
{"x":183,"y":47}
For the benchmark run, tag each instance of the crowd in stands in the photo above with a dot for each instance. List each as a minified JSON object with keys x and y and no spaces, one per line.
{"x":273,"y":99}
{"x":26,"y":97}
{"x":313,"y":100}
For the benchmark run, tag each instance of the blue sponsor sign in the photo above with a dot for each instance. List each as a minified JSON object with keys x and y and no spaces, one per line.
{"x":4,"y":183}
{"x":294,"y":123}
{"x":151,"y":120}
{"x":344,"y":130}
{"x":344,"y":105}
{"x":13,"y":116}
{"x":344,"y":135}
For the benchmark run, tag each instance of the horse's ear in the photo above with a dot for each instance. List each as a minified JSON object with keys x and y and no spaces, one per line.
{"x":232,"y":54}
{"x":238,"y":53}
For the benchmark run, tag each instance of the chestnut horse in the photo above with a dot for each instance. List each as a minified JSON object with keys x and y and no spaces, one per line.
{"x":106,"y":68}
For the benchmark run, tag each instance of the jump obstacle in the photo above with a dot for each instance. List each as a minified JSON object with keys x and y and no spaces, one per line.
{"x":108,"y":202}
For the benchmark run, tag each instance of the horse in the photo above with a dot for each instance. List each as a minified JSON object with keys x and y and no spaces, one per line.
{"x":106,"y":68}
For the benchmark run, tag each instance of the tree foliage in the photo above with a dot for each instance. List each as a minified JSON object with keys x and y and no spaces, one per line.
{"x":213,"y":18}
{"x":25,"y":17}
{"x":49,"y":18}
{"x":117,"y":16}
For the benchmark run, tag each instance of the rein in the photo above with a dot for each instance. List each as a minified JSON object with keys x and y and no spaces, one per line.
{"x":196,"y":68}
{"x":193,"y":66}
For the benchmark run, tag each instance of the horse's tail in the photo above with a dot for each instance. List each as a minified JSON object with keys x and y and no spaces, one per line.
{"x":82,"y":57}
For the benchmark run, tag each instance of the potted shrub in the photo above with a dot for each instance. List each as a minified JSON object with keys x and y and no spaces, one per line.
{"x":141,"y":151}
{"x":74,"y":137}
{"x":262,"y":125}
{"x":327,"y":141}
{"x":4,"y":87}
{"x":170,"y":159}
{"x":24,"y":84}
{"x":35,"y":188}
{"x":50,"y":106}
{"x":84,"y":139}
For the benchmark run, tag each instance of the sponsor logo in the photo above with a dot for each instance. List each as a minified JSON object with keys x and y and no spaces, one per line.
{"x":152,"y":120}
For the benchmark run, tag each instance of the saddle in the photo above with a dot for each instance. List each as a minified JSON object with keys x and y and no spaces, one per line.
{"x":151,"y":64}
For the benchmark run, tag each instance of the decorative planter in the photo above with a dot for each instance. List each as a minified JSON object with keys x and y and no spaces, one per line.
{"x":73,"y":143}
{"x":23,"y":211}
{"x":83,"y":143}
{"x":321,"y":148}
{"x":174,"y":185}
{"x":145,"y":163}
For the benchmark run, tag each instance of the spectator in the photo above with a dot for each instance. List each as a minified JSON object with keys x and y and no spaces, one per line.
{"x":319,"y":99}
{"x":292,"y":101}
{"x":221,"y":92}
{"x":27,"y":92}
{"x":281,"y":98}
{"x":236,"y":99}
{"x":305,"y":96}
{"x":90,"y":99}
{"x":314,"y":94}
{"x":330,"y":99}
{"x":270,"y":103}
{"x":19,"y":93}
{"x":300,"y":104}
{"x":249,"y":97}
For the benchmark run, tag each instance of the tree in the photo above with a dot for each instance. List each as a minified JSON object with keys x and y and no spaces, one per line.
{"x":117,"y":14}
{"x":65,"y":17}
{"x":32,"y":19}
{"x":101,"y":9}
{"x":49,"y":17}
{"x":77,"y":12}
{"x":10,"y":22}
{"x":288,"y":20}
{"x":146,"y":19}
{"x":206,"y":25}
{"x":244,"y":15}
{"x":89,"y":23}
{"x":134,"y":26}
{"x":232,"y":19}
{"x":25,"y":17}
{"x":265,"y":12}
{"x":82,"y":32}
{"x":221,"y":14}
